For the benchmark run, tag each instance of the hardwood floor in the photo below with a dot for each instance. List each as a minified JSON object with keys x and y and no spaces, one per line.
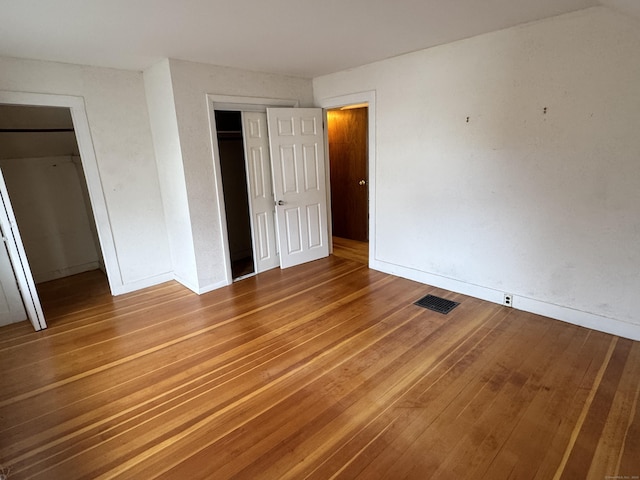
{"x":351,"y":250}
{"x":321,"y":371}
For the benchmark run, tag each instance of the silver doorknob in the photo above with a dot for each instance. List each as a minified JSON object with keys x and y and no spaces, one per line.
{"x":280,"y":202}
{"x":362,"y":182}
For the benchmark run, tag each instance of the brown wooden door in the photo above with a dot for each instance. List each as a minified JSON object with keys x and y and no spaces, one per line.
{"x":347,"y":135}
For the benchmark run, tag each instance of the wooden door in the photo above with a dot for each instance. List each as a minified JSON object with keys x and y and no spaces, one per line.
{"x":348,"y":157}
{"x":296,"y":140}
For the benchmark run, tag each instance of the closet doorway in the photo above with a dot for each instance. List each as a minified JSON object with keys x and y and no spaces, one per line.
{"x":348,"y":157}
{"x":47,"y":198}
{"x":234,"y":185}
{"x":285,"y":184}
{"x":355,"y":101}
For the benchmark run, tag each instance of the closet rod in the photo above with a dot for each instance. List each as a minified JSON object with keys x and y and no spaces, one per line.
{"x":35,"y":130}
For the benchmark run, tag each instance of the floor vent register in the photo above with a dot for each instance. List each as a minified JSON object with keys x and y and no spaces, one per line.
{"x":437,"y":304}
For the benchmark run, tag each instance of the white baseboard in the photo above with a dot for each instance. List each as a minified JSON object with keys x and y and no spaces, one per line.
{"x":185,"y":283}
{"x":578,"y":317}
{"x":197,"y":289}
{"x":167,"y":277}
{"x":140,"y":284}
{"x":556,"y":312}
{"x":211,"y":287}
{"x":439,"y":281}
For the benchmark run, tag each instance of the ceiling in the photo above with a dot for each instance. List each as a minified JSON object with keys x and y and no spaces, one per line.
{"x":304,"y":38}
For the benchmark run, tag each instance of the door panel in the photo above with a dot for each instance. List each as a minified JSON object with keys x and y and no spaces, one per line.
{"x":293,"y":230}
{"x":314,"y":224}
{"x":289,"y":171}
{"x":261,"y":233}
{"x":311,"y":168}
{"x":297,"y":148}
{"x":348,"y":156}
{"x":260,"y":189}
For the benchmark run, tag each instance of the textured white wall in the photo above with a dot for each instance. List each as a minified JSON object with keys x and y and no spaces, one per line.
{"x":543,"y":206}
{"x":191,"y":84}
{"x":164,"y":127}
{"x":117,"y":113}
{"x":49,"y":205}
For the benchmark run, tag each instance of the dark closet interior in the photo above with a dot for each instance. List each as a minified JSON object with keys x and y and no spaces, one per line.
{"x":234,"y":186}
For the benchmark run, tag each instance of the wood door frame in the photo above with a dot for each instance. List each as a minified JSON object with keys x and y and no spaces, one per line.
{"x":92,"y":174}
{"x":368,"y":97}
{"x":236,"y":104}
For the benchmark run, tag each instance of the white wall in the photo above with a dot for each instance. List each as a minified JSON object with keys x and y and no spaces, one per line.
{"x":191,"y":83}
{"x":164,"y":127}
{"x":49,"y":205}
{"x":543,"y":206}
{"x":117,"y":113}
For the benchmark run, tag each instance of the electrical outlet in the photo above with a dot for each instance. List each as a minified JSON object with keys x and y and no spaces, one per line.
{"x":508,"y":300}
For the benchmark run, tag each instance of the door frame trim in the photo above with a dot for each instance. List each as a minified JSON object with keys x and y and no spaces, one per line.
{"x":91,"y":172}
{"x":368,"y":97}
{"x":237,"y":104}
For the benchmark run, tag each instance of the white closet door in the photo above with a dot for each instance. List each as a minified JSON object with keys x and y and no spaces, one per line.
{"x":11,"y":306}
{"x":17,"y":271}
{"x":296,"y":140}
{"x":260,"y":190}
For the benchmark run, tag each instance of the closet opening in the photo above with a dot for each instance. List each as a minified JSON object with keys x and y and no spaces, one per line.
{"x":234,"y":186}
{"x":46,"y":185}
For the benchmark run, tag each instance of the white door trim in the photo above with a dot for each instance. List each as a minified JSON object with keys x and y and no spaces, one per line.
{"x":238,"y":104}
{"x":91,"y":171}
{"x":368,"y":97}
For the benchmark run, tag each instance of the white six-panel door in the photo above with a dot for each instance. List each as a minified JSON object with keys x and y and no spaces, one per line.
{"x":260,"y":190}
{"x":296,"y":139}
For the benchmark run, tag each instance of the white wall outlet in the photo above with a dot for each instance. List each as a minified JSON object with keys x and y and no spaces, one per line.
{"x":508,"y":300}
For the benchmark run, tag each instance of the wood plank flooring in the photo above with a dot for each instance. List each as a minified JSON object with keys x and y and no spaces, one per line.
{"x":321,"y":371}
{"x":351,"y":250}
